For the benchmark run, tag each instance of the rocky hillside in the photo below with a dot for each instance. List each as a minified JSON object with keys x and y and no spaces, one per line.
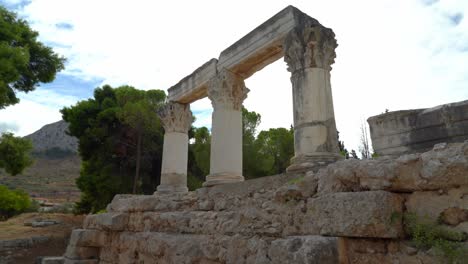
{"x":56,"y":165}
{"x":53,"y":136}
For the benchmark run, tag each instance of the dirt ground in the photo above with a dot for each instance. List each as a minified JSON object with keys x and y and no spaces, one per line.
{"x":52,"y":239}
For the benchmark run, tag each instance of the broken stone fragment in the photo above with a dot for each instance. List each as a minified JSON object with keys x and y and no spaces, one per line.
{"x":454,"y":216}
{"x":88,"y":238}
{"x":106,"y":221}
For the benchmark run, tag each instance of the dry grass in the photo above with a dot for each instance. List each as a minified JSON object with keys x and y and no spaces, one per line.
{"x":14,"y":227}
{"x":52,"y":179}
{"x":58,"y":236}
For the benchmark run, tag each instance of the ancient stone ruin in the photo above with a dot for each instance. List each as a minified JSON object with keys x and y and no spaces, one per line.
{"x":412,"y":131}
{"x":309,"y":50}
{"x":350,"y":211}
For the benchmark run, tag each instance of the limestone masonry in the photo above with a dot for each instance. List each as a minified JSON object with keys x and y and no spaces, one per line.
{"x":349,"y":212}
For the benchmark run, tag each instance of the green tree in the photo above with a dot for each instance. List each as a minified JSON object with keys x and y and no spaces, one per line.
{"x":137,"y":111}
{"x":343,"y":151}
{"x":253,"y":165}
{"x":198,"y":157}
{"x":268,"y":153}
{"x":201,"y":148}
{"x":120,"y":142}
{"x":24,"y":61}
{"x":278,"y":145}
{"x":14,"y":153}
{"x":12,"y":202}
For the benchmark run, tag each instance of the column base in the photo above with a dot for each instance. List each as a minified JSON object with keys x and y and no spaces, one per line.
{"x":312,"y":162}
{"x":222,"y":178}
{"x":165,"y":189}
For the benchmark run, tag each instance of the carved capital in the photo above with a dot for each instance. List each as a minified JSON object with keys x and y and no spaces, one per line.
{"x":176,"y":117}
{"x":310,"y":47}
{"x":227,"y":90}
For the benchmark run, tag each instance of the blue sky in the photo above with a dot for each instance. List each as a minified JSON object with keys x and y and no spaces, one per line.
{"x":392,"y":54}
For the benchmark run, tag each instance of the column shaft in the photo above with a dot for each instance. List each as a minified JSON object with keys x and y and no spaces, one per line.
{"x":226,"y":147}
{"x":176,"y":119}
{"x":226,"y":92}
{"x":174,"y":163}
{"x":309,"y":53}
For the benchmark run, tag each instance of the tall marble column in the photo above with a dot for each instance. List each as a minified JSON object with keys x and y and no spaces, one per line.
{"x":309,"y":54}
{"x":226,"y":91}
{"x":176,"y":119}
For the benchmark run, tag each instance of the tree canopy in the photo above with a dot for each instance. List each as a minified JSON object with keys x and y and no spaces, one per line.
{"x":12,"y":202}
{"x":14,"y":153}
{"x":24,"y":61}
{"x":120,"y":143}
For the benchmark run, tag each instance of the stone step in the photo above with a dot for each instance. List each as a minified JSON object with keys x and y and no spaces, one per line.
{"x":364,"y":214}
{"x":154,"y":247}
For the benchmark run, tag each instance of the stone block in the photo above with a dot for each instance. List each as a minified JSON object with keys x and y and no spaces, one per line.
{"x":155,"y":247}
{"x":433,"y":170}
{"x":437,"y":205}
{"x":106,"y":221}
{"x":304,"y":249}
{"x":88,"y":238}
{"x":136,"y":203}
{"x":52,"y":260}
{"x":357,"y":214}
{"x":77,"y":252}
{"x":80,"y":261}
{"x":411,"y":131}
{"x":156,"y":202}
{"x":371,"y":251}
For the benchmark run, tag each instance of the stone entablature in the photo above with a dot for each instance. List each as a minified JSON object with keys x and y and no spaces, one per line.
{"x":250,"y":54}
{"x":194,"y":86}
{"x":411,"y":131}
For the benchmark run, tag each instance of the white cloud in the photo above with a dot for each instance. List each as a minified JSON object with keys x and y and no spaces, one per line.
{"x":392,"y":54}
{"x":35,"y":110}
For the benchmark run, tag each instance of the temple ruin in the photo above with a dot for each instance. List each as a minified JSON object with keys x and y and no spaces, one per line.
{"x":351,"y":211}
{"x":308,"y":49}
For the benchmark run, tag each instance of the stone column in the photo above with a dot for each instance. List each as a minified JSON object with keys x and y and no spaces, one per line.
{"x":226,"y":91}
{"x":309,"y":53}
{"x":176,"y":119}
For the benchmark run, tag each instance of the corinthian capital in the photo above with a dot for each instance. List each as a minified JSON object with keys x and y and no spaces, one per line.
{"x":176,"y":117}
{"x":310,"y":47}
{"x":227,"y":90}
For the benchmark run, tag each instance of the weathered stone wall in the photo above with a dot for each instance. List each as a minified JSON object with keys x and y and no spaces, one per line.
{"x":411,"y":131}
{"x":350,"y":212}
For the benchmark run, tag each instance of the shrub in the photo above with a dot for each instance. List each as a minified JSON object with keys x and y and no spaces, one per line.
{"x":12,"y":202}
{"x":426,"y":234}
{"x":193,"y":182}
{"x":34,"y":207}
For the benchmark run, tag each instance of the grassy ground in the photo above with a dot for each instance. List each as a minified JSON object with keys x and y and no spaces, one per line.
{"x":58,"y":235}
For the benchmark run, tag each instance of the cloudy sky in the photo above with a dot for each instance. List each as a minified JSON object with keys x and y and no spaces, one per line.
{"x":392,"y":54}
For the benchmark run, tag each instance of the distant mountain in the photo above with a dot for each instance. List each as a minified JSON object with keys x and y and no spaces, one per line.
{"x":52,"y":139}
{"x":56,"y":165}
